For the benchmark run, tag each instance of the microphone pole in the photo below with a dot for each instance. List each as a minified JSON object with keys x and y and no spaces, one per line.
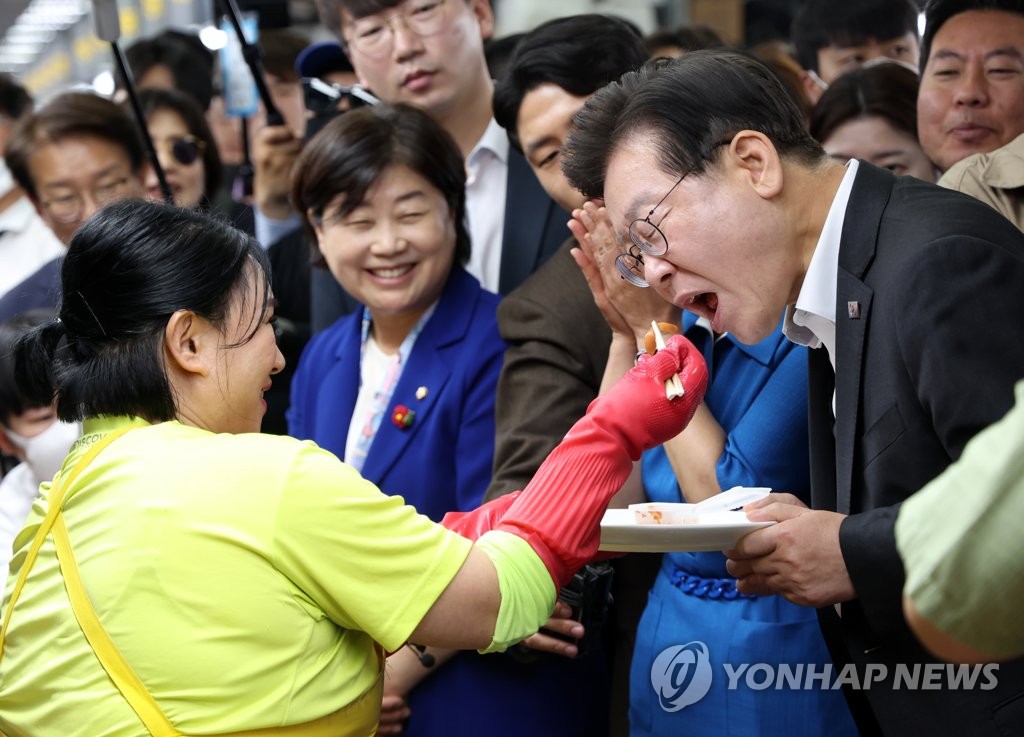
{"x":108,"y":28}
{"x":251,"y":54}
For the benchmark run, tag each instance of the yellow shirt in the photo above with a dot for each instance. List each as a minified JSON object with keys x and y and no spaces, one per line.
{"x":243,"y":577}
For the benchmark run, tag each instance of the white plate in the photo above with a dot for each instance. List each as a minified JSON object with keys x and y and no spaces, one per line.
{"x":715,"y":531}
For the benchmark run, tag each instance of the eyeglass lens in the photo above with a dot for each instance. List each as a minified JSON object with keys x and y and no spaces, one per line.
{"x":631,"y":267}
{"x":647,"y":237}
{"x":373,"y":36}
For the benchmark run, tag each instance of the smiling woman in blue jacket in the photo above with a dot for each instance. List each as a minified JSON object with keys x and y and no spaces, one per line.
{"x":404,"y":389}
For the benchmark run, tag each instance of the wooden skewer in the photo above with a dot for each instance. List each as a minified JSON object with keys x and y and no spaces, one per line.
{"x":673,"y":386}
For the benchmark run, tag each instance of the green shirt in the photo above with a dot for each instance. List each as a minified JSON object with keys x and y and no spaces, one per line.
{"x":962,"y":541}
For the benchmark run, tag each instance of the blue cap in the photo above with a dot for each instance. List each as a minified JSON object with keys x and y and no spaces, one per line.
{"x":322,"y":58}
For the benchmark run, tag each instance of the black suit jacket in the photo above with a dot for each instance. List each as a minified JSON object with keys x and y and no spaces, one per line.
{"x":534,"y":229}
{"x":929,"y":344}
{"x":290,"y":269}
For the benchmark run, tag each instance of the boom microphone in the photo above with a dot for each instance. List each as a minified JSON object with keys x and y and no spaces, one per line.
{"x":108,"y":24}
{"x":108,"y":28}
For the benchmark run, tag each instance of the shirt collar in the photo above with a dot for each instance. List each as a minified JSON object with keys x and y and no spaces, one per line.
{"x":1002,"y":167}
{"x":18,"y":216}
{"x":817,"y":297}
{"x":494,"y":140}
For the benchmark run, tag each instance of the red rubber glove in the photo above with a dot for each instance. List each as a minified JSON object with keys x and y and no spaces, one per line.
{"x":476,"y":522}
{"x":560,"y":511}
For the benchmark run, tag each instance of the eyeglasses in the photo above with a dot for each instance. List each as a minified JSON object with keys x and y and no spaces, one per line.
{"x":68,"y":208}
{"x":186,"y":149}
{"x":647,"y":238}
{"x":374,"y":36}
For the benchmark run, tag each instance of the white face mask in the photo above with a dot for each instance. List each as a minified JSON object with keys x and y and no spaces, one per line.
{"x":6,"y":178}
{"x":45,"y":452}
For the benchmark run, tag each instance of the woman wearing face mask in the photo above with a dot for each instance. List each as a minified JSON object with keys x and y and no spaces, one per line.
{"x":28,"y":433}
{"x":184,"y":146}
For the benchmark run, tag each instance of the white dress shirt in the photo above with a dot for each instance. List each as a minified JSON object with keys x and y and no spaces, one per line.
{"x":486,"y":187}
{"x":26,"y":243}
{"x":812,"y":320}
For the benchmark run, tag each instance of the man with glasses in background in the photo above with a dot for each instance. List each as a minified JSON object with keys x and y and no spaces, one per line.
{"x":429,"y":53}
{"x":909,"y":296}
{"x":25,"y":241}
{"x":72,"y":156}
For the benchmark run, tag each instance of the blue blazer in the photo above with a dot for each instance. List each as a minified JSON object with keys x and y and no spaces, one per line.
{"x":442,"y":461}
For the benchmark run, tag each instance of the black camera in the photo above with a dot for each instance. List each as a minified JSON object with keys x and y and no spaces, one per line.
{"x":589,"y":594}
{"x":325,"y":101}
{"x":322,"y":97}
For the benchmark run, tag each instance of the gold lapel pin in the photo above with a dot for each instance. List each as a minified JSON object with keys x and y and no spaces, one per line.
{"x":421,"y":393}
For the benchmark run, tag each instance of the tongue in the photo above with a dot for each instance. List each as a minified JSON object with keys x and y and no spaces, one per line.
{"x":711,"y":301}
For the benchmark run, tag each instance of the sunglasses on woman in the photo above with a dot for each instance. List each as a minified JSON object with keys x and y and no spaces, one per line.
{"x":186,"y":149}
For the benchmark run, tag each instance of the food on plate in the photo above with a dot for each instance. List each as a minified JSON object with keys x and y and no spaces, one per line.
{"x":664,"y":513}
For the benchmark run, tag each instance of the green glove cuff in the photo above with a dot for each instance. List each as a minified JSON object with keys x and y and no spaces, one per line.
{"x":527,"y":592}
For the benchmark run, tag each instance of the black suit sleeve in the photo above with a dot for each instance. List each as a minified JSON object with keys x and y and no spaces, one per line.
{"x":868,"y":543}
{"x":960,"y":341}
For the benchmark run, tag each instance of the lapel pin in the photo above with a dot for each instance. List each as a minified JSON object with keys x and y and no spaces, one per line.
{"x":421,"y":393}
{"x":402,"y":417}
{"x":853,"y":310}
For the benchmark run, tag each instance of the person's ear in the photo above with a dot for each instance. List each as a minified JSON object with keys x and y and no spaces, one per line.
{"x":755,"y":160}
{"x":318,"y":225}
{"x":485,"y":17}
{"x":190,"y":344}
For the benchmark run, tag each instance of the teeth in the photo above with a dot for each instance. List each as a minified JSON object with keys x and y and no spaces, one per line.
{"x":391,"y":273}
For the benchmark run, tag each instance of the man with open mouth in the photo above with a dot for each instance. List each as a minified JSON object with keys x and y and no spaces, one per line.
{"x":908,"y":294}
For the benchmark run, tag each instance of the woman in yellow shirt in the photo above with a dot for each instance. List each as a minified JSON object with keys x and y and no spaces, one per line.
{"x":187,"y":575}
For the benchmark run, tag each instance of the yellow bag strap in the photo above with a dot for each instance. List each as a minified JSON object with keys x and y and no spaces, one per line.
{"x":356,"y":719}
{"x":57,"y":492}
{"x":106,"y":651}
{"x":109,"y":656}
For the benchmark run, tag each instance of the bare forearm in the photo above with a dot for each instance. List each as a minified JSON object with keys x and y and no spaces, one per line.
{"x":632,"y":492}
{"x":621,"y":357}
{"x":694,"y":455}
